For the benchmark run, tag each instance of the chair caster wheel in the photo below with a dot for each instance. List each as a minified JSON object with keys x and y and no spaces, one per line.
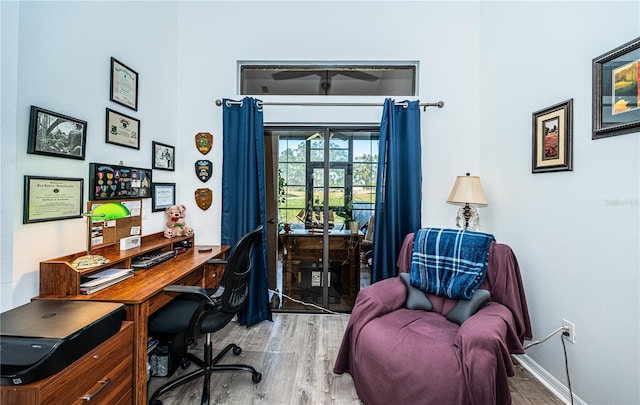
{"x":257,"y":377}
{"x":157,"y":402}
{"x":237,"y":350}
{"x":184,"y":364}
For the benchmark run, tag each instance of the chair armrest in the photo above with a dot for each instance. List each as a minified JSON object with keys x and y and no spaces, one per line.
{"x":217,"y":261}
{"x":200,"y":292}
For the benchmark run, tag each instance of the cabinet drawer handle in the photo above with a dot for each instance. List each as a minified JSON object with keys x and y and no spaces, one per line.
{"x":103,"y":384}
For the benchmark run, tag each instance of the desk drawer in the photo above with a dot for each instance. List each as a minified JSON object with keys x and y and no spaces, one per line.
{"x":112,"y":360}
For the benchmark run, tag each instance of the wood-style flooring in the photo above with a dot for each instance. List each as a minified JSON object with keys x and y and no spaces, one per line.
{"x":296,"y":354}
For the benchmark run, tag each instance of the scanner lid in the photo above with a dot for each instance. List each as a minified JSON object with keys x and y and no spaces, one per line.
{"x":57,"y":319}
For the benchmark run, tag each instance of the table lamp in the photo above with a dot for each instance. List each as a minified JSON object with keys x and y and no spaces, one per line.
{"x":108,"y":211}
{"x":467,"y":191}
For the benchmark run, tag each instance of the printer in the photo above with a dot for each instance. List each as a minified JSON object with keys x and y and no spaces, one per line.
{"x":43,"y":337}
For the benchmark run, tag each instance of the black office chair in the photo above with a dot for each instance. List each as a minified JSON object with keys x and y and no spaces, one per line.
{"x":197,"y":311}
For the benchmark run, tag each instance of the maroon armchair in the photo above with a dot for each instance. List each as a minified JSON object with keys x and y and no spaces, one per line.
{"x":398,"y":355}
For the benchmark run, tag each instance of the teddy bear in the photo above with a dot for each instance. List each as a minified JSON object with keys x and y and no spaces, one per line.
{"x":176,"y":225}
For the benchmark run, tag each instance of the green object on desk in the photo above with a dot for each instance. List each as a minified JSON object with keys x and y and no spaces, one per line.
{"x":112,"y":210}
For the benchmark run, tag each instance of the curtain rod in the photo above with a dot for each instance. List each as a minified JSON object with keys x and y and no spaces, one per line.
{"x":424,"y":106}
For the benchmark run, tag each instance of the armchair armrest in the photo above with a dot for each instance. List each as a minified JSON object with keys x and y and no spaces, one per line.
{"x":485,"y":341}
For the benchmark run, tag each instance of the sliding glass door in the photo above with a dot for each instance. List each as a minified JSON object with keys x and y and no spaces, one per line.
{"x":325,"y":180}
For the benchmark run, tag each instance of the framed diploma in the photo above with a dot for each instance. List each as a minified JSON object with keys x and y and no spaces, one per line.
{"x":164,"y":196}
{"x":51,"y":198}
{"x":124,"y":85}
{"x":122,"y":130}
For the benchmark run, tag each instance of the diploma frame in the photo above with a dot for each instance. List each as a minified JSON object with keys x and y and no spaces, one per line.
{"x":164,"y":196}
{"x":52,"y":198}
{"x":124,"y":85}
{"x":122,"y":130}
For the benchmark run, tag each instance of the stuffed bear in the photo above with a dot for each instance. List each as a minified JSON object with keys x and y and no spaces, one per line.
{"x":176,"y":225}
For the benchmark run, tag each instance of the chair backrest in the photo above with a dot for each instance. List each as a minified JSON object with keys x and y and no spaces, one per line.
{"x":235,"y":280}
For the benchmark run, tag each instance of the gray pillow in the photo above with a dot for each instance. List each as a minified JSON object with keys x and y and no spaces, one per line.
{"x":416,"y":299}
{"x":465,"y":308}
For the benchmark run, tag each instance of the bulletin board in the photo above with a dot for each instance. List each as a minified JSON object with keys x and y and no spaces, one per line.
{"x":108,"y":232}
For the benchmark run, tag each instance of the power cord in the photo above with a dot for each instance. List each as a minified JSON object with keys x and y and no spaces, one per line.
{"x":565,"y":332}
{"x":305,"y":303}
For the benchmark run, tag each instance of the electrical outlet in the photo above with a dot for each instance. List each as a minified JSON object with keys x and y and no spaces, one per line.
{"x":569,"y":332}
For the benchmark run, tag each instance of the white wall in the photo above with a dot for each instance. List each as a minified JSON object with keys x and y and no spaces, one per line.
{"x":577,"y":247}
{"x":63,"y":64}
{"x":486,"y":60}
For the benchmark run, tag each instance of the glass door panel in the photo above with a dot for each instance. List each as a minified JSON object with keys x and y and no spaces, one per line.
{"x":326,"y":177}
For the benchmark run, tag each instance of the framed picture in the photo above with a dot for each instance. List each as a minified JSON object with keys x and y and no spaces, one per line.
{"x":109,"y":182}
{"x":122,"y":130}
{"x":616,"y":91}
{"x":55,"y":134}
{"x":552,"y":143}
{"x":163,"y":156}
{"x":164,"y":196}
{"x":51,"y":198}
{"x":124,"y":85}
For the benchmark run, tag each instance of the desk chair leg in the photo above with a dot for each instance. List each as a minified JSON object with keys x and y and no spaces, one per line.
{"x":206,"y":368}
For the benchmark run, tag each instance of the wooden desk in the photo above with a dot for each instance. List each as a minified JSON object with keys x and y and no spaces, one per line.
{"x":143,"y":293}
{"x":303,"y":254}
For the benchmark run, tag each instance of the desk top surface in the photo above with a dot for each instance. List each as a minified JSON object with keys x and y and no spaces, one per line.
{"x":147,"y":282}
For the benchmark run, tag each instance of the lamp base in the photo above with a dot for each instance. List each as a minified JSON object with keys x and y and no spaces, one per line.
{"x":89,"y":261}
{"x":470,"y":224}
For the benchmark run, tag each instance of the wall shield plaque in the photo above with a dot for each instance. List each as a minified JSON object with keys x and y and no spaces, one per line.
{"x":204,"y":168}
{"x":204,"y":142}
{"x":204,"y":197}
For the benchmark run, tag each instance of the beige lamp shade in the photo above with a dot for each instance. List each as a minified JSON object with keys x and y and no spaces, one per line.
{"x":467,"y":190}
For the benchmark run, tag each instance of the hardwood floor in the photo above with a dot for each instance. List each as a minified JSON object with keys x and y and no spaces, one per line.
{"x":295,"y":354}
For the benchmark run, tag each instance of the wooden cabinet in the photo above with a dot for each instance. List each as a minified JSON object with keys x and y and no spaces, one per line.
{"x":58,"y":278}
{"x":102,"y":376}
{"x":302,"y":267}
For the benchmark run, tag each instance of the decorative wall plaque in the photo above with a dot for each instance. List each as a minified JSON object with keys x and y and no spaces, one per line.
{"x":204,"y":142}
{"x":204,"y":168}
{"x":204,"y":197}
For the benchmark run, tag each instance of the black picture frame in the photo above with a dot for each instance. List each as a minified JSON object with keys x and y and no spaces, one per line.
{"x":109,"y":182}
{"x":124,"y":85}
{"x":122,"y":129}
{"x":164,"y":156}
{"x":55,"y":134}
{"x":616,"y":98}
{"x":52,"y":198}
{"x":163,"y":196}
{"x":552,"y":138}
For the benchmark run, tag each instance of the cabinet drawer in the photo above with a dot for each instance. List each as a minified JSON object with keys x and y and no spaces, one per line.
{"x":111,"y":360}
{"x":114,"y":388}
{"x":212,"y":275}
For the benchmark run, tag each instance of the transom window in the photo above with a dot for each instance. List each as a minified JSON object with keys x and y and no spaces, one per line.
{"x":329,"y":80}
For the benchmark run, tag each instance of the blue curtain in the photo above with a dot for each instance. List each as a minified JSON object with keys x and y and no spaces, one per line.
{"x":243,"y":196}
{"x":399,"y":185}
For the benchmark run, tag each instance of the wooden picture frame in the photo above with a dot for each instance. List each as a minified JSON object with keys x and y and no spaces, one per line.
{"x":54,"y":134}
{"x":163,"y":196}
{"x":552,"y":143}
{"x":616,"y":91}
{"x":163,"y":156}
{"x":124,"y":85}
{"x":115,"y":182}
{"x":122,"y":130}
{"x":52,"y":198}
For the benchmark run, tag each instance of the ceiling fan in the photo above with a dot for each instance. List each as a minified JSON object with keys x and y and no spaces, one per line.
{"x":325,"y":76}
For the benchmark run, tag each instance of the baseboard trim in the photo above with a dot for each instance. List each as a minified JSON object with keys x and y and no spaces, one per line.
{"x":556,"y":387}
